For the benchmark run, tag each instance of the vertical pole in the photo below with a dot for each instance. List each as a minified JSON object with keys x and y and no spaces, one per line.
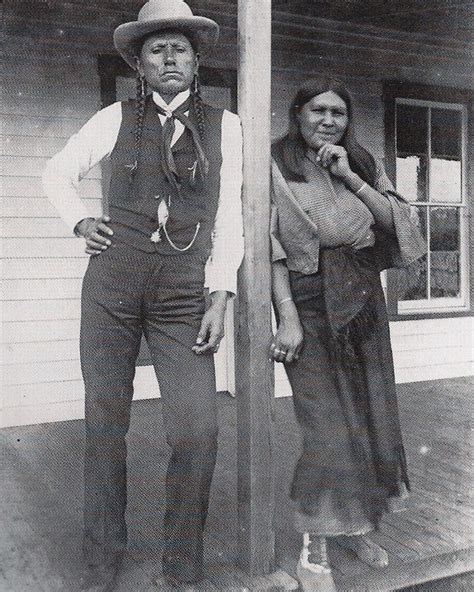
{"x":254,"y":372}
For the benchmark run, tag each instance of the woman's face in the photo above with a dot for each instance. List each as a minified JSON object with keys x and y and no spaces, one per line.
{"x":323,"y":120}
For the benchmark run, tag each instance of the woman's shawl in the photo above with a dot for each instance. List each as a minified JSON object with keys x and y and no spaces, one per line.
{"x":350,"y":277}
{"x":294,"y":235}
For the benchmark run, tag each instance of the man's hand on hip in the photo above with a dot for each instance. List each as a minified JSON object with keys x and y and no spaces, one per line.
{"x":95,"y":231}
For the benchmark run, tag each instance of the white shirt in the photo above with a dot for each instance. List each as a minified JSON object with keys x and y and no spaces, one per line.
{"x":96,"y":141}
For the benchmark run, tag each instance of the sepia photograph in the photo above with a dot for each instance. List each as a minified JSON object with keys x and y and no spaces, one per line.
{"x":237,"y":296}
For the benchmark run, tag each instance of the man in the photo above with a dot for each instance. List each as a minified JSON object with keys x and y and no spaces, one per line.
{"x":173,"y":225}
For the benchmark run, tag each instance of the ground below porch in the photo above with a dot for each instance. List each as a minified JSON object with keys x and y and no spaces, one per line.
{"x":41,"y":502}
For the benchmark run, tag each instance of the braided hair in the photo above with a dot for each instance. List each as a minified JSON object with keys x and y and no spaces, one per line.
{"x":198,"y":107}
{"x":140,"y":103}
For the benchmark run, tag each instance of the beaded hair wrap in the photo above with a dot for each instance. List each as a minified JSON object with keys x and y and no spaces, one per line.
{"x":139,"y":119}
{"x":198,"y":107}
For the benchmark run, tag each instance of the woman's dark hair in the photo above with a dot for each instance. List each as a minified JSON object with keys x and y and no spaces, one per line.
{"x":292,"y":146}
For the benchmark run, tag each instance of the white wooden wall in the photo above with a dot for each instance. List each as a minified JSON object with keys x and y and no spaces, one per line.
{"x":51,"y":87}
{"x":43,"y":265}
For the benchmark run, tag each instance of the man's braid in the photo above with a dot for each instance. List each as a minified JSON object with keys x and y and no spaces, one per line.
{"x":139,"y":118}
{"x":198,"y":108}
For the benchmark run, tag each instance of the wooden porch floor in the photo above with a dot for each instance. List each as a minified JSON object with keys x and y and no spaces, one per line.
{"x":41,"y":501}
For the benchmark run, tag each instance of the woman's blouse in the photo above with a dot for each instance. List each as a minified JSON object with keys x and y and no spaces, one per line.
{"x":341,"y":217}
{"x":322,"y":212}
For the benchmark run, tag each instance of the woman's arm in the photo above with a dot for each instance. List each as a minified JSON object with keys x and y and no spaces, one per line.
{"x":288,"y":339}
{"x":377,"y":203}
{"x":334,"y":158}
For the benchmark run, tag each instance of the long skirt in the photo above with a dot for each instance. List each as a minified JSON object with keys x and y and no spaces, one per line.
{"x":352,"y":467}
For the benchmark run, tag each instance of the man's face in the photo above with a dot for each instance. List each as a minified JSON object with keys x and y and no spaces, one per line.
{"x":168,"y":62}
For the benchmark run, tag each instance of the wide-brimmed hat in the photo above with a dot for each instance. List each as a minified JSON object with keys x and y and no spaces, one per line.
{"x":158,"y":15}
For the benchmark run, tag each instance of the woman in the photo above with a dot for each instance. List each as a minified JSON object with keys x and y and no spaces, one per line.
{"x":174,"y":200}
{"x":336,"y":223}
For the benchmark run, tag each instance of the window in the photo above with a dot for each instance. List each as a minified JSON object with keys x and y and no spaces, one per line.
{"x":429,"y":164}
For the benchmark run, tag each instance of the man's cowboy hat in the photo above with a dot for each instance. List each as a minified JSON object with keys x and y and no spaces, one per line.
{"x":158,"y":15}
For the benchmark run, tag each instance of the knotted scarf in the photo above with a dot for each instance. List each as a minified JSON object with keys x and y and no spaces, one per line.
{"x":166,"y":154}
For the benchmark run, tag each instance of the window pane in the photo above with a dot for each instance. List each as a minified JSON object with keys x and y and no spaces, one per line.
{"x":413,"y":279}
{"x":445,"y":252}
{"x":412,"y":152}
{"x":446,"y":134}
{"x":412,"y":130}
{"x":446,"y":154}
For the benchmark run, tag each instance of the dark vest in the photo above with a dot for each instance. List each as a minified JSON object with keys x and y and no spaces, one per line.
{"x":133,"y":202}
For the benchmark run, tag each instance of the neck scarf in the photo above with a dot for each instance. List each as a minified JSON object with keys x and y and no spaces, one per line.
{"x":166,"y":154}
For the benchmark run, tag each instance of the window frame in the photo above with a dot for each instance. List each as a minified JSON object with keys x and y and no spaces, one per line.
{"x":427,"y":96}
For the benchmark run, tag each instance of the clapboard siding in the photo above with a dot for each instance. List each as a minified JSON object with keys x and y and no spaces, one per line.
{"x":29,"y":146}
{"x":38,"y":331}
{"x":14,"y":248}
{"x":429,"y":357}
{"x":31,"y":187}
{"x":23,"y":68}
{"x":56,"y":401}
{"x":28,"y":353}
{"x":351,"y":63}
{"x":41,"y":372}
{"x":16,"y":103}
{"x":19,"y":82}
{"x":434,"y":372}
{"x":44,"y":264}
{"x":436,"y":340}
{"x":48,"y":393}
{"x":44,"y":289}
{"x":27,"y":166}
{"x":448,"y":348}
{"x":39,"y":126}
{"x":47,"y":267}
{"x":34,"y":228}
{"x":35,"y":207}
{"x":52,"y":86}
{"x":46,"y":412}
{"x":389,"y":49}
{"x":41,"y":310}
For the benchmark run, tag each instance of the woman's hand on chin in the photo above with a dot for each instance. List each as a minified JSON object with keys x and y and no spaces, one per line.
{"x":334,"y":158}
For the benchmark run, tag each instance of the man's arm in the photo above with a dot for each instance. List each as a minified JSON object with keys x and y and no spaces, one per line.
{"x":228,"y":241}
{"x":94,"y":141}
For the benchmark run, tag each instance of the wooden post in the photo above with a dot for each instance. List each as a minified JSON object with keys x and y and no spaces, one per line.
{"x":254,"y":372}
